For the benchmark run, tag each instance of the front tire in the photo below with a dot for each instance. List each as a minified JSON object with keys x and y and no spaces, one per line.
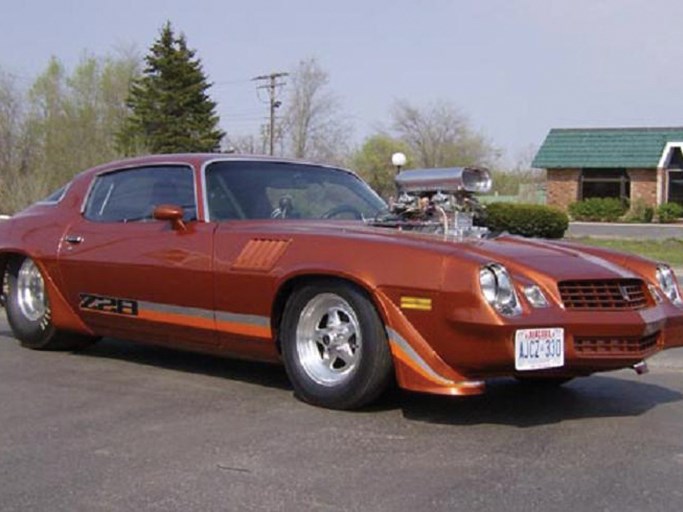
{"x":334,"y":346}
{"x":29,"y":314}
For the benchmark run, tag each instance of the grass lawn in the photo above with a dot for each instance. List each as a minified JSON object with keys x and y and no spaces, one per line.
{"x":669,"y":251}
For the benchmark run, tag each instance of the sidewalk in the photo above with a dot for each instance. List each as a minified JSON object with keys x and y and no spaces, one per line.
{"x":618,"y":230}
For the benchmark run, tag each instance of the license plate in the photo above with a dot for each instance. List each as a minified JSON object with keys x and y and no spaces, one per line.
{"x":537,"y":349}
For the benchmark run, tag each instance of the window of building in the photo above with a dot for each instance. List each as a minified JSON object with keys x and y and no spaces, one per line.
{"x":605,"y":183}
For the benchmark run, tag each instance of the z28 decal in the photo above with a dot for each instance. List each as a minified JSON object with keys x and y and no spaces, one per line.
{"x":108,"y":304}
{"x":224,"y":321}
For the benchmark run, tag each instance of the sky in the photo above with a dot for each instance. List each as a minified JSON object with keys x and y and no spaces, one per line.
{"x":514,"y":68}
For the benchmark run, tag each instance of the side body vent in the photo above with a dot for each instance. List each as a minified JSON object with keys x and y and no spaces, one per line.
{"x":260,"y":254}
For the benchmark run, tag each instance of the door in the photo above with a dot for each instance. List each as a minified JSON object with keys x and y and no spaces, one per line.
{"x":135,"y":277}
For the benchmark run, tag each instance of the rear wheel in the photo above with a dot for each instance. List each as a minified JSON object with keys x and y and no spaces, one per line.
{"x":28,"y":310}
{"x":334,"y":346}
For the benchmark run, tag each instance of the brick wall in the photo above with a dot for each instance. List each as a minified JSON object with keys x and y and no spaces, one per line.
{"x":563,"y":187}
{"x":643,"y":185}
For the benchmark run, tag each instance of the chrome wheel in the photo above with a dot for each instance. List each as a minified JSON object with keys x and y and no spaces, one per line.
{"x":31,"y":291}
{"x":328,"y":339}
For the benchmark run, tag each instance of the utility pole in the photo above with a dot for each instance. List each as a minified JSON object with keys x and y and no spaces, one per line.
{"x":271,"y":84}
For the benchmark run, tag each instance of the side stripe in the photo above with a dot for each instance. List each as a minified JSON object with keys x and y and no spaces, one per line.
{"x":414,"y":357}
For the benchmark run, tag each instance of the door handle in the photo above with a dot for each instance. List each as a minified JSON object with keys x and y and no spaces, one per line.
{"x":73,"y":239}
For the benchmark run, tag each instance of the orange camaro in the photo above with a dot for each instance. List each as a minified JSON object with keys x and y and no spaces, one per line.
{"x":280,"y":260}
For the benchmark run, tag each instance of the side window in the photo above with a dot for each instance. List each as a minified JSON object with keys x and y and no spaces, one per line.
{"x":56,"y":196}
{"x":265,"y":190}
{"x":132,"y":194}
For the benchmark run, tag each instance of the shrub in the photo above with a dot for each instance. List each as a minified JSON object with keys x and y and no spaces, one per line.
{"x":598,"y":209}
{"x":640,"y":211}
{"x":669,"y":212}
{"x":530,"y":220}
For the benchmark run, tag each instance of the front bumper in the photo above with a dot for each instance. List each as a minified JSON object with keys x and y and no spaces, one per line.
{"x":452,"y":351}
{"x":594,"y":341}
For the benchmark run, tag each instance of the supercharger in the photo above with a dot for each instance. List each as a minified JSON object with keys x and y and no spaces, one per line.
{"x":439,"y":201}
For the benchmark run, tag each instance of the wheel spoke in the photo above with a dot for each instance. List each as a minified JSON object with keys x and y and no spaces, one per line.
{"x":327,"y":358}
{"x":334,"y":320}
{"x":345,"y":353}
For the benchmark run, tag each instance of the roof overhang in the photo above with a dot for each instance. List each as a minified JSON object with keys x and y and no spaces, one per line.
{"x":666,"y":154}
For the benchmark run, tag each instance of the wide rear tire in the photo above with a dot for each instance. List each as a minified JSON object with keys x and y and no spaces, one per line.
{"x":29,"y":314}
{"x":334,"y":346}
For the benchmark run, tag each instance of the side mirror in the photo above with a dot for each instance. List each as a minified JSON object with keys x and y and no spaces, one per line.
{"x":172,"y":213}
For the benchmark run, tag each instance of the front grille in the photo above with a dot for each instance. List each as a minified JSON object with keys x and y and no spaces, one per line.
{"x":607,"y":294}
{"x":604,"y":346}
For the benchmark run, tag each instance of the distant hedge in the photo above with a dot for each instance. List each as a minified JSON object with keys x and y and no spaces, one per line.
{"x":598,"y":209}
{"x":530,"y":220}
{"x":669,"y":212}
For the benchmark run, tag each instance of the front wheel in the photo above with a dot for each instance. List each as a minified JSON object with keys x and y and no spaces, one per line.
{"x":28,"y":310}
{"x":334,"y":346}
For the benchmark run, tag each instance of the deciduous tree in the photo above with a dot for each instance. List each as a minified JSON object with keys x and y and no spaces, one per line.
{"x":64,"y":124}
{"x":439,"y":135}
{"x":373,"y":162}
{"x":314,"y":127}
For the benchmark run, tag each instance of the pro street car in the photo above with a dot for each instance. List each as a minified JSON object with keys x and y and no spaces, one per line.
{"x":303,"y":264}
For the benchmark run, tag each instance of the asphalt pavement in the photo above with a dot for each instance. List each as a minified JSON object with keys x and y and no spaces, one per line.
{"x":129,"y":427}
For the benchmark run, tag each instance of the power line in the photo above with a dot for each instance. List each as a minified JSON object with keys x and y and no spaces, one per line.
{"x":271,"y":85}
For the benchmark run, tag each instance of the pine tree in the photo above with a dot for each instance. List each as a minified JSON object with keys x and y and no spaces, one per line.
{"x":170,"y":111}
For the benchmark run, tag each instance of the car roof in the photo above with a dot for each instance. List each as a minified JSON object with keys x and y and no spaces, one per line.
{"x":197,"y":160}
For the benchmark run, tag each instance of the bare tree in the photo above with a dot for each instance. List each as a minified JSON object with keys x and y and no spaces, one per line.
{"x":247,"y":144}
{"x":15,"y":147}
{"x":439,"y":135}
{"x":313,"y":126}
{"x":10,"y":122}
{"x":66,"y":123}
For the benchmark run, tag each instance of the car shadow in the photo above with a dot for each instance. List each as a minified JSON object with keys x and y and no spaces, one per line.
{"x":262,"y":374}
{"x":508,"y":402}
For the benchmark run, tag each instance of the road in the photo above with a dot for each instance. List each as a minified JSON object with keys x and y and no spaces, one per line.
{"x":126,"y":427}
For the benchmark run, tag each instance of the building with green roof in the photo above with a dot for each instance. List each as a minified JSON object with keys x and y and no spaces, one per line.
{"x":637,"y":164}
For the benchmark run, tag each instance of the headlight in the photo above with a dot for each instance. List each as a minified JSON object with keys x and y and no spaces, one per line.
{"x":535,"y":296}
{"x":498,"y":290}
{"x":667,"y":282}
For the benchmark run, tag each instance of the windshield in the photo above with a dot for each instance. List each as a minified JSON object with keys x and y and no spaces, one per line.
{"x":264,"y":190}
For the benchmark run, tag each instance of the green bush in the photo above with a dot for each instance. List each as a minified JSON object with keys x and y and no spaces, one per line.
{"x":669,"y":212}
{"x":598,"y":209}
{"x":640,"y":211}
{"x":531,"y":220}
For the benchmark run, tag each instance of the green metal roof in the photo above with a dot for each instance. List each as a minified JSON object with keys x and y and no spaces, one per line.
{"x":605,"y":147}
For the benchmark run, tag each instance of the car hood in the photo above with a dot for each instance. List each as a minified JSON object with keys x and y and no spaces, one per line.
{"x":557,"y":260}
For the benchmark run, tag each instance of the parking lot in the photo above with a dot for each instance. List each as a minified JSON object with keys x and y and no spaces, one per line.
{"x":127,"y":427}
